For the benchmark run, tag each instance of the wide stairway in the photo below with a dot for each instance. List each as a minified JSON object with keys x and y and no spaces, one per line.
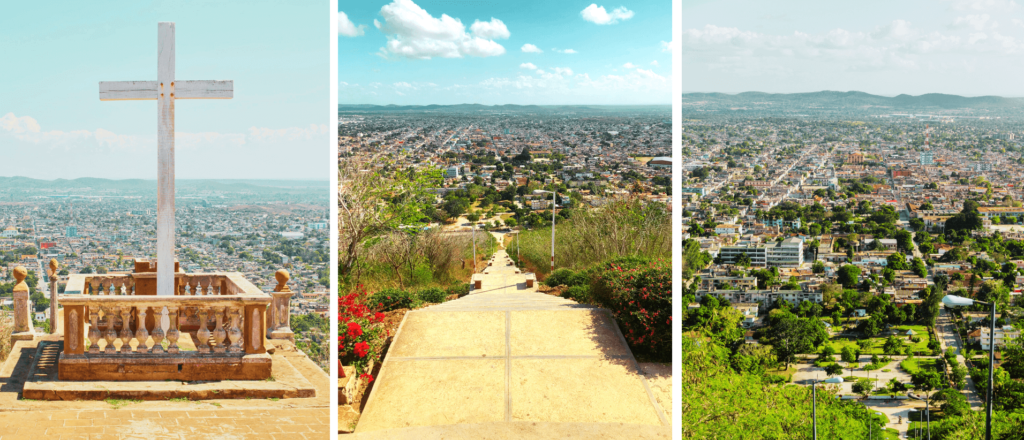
{"x":507,"y":361}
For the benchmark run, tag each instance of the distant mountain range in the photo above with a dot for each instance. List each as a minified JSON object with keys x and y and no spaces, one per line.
{"x":855,"y":100}
{"x":506,"y":108}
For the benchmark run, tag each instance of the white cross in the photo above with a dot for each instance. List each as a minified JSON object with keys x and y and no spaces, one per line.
{"x":165,"y":90}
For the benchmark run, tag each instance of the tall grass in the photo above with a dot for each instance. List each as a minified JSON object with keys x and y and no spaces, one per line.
{"x":6,"y":328}
{"x":592,"y":235}
{"x":423,"y":259}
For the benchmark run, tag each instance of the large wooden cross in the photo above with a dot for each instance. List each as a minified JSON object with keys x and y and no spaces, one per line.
{"x":165,"y":90}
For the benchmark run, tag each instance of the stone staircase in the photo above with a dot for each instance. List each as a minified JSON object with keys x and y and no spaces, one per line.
{"x":511,"y":362}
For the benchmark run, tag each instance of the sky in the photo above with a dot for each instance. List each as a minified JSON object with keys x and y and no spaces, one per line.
{"x":963,"y":47}
{"x":53,"y":125}
{"x":539,"y":52}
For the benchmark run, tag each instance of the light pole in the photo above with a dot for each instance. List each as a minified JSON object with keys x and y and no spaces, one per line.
{"x":927,"y":412}
{"x":953,"y":301}
{"x":473,"y":234}
{"x":814,"y":400}
{"x":552,"y":230}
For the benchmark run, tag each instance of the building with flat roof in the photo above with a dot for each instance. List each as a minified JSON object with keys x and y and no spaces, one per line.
{"x":788,"y":253}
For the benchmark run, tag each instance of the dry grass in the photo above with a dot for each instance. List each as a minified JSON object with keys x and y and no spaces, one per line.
{"x":6,"y":328}
{"x":592,"y":235}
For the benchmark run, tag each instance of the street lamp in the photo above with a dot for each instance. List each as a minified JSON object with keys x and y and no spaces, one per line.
{"x":927,"y":412}
{"x":814,"y":400}
{"x":473,"y":235}
{"x":953,"y":301}
{"x":552,"y":229}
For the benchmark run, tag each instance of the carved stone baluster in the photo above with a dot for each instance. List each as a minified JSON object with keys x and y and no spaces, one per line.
{"x":172,"y":331}
{"x":94,"y":330}
{"x":131,"y":287}
{"x":94,"y":285}
{"x":126,"y":332}
{"x":110,"y":335}
{"x":235,"y":330}
{"x":219,"y":334}
{"x":204,"y":333}
{"x":199,"y":289}
{"x":141,"y":334}
{"x":158,"y":330}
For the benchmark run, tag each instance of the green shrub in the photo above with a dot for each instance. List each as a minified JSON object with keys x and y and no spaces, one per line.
{"x":432,"y":295}
{"x":560,"y":277}
{"x":580,"y":294}
{"x":639,"y":292}
{"x":392,"y":299}
{"x":459,"y":289}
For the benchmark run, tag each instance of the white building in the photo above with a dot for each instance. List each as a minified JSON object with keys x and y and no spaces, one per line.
{"x":1003,"y":335}
{"x":788,"y":253}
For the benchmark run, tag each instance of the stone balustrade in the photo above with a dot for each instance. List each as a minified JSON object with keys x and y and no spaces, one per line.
{"x":112,"y":331}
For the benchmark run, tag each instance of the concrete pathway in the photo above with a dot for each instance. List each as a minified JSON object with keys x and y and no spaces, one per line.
{"x":946,"y":332}
{"x":514,"y":360}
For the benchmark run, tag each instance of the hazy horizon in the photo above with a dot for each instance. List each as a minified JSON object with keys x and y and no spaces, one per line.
{"x":956,"y":47}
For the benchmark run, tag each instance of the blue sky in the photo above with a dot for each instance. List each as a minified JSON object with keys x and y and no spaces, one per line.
{"x":966,"y":47}
{"x":514,"y":52}
{"x":277,"y":126}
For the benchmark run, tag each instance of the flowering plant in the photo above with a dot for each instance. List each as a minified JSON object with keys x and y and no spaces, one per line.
{"x":359,"y":332}
{"x":639,"y":293}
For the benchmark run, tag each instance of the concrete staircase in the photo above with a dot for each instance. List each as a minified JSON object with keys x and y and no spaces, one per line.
{"x":512,"y":362}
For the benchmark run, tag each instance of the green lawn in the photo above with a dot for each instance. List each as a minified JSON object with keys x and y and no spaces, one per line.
{"x":877,"y":342}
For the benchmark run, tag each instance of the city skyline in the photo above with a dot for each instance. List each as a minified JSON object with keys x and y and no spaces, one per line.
{"x":428,"y":52}
{"x":50,"y":109}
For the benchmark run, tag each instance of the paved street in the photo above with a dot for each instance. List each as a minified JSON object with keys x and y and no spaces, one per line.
{"x":946,"y":332}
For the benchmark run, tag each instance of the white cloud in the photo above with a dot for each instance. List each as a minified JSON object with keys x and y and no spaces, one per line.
{"x":528,"y":66}
{"x":896,"y":45}
{"x":27,"y":129}
{"x":654,"y":63}
{"x":529,"y":48}
{"x":490,"y":30}
{"x":413,"y":33}
{"x":666,"y":46}
{"x":984,"y":5}
{"x":649,"y":74}
{"x":629,"y":65}
{"x":347,"y":28}
{"x":562,"y":70}
{"x":597,"y":14}
{"x":565,"y":51}
{"x":977,"y":22}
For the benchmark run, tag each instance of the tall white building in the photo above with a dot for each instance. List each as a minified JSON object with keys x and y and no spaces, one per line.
{"x":927,"y":158}
{"x":788,"y":253}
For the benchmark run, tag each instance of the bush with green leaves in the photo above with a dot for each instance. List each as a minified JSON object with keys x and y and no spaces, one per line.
{"x":639,"y":292}
{"x":432,"y":295}
{"x":580,"y":294}
{"x":392,"y":299}
{"x":459,"y":289}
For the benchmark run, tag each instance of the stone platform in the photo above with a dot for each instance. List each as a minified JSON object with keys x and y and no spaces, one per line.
{"x":41,"y":382}
{"x":218,"y":418}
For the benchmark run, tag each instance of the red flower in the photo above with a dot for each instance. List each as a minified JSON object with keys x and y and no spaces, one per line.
{"x":367,"y":376}
{"x":354,"y":330}
{"x":362,"y":348}
{"x":379,"y":317}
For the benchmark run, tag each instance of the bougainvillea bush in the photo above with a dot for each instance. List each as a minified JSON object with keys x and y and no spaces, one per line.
{"x":639,"y":292}
{"x":359,"y":332}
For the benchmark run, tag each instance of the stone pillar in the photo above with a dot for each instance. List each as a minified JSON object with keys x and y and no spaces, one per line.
{"x":23,"y":329}
{"x":280,"y":309}
{"x":51,"y":273}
